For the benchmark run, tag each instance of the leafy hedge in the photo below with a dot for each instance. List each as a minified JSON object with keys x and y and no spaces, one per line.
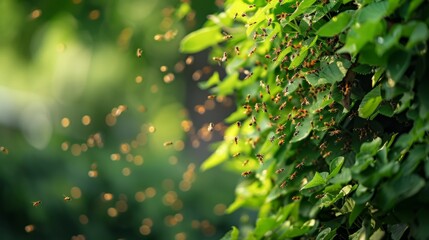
{"x":332,"y":120}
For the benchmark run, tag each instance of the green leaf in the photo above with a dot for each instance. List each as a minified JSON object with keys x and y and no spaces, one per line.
{"x":302,"y":131}
{"x":317,"y":180}
{"x":335,"y":166}
{"x":329,"y":73}
{"x":232,"y":234}
{"x":370,"y":103}
{"x":415,"y":156}
{"x":357,"y":210}
{"x":398,"y":189}
{"x":397,"y":230}
{"x":264,"y":225}
{"x":326,"y":234}
{"x":373,"y":12}
{"x":397,"y":65}
{"x":220,"y":155}
{"x":361,"y":34}
{"x":201,"y":39}
{"x":336,"y":25}
{"x":212,"y":81}
{"x":302,"y":7}
{"x":419,"y":35}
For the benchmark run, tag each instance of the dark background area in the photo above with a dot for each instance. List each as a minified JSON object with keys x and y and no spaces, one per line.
{"x":82,"y":117}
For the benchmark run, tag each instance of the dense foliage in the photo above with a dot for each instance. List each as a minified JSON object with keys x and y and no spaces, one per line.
{"x":331,"y":127}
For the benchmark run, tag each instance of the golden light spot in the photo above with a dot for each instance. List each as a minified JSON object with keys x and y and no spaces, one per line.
{"x":148,"y":221}
{"x":86,"y":120}
{"x":178,"y":217}
{"x":65,"y":146}
{"x":195,"y":224}
{"x":209,"y":104}
{"x":163,"y":68}
{"x":154,"y":88}
{"x":169,"y":78}
{"x":144,"y":230}
{"x":83,"y":147}
{"x":76,"y":1}
{"x":139,"y":196}
{"x":197,"y":75}
{"x":115,"y":157}
{"x":130,"y":157}
{"x":36,"y":13}
{"x":180,"y":145}
{"x":78,"y":237}
{"x":65,"y":122}
{"x":142,"y":108}
{"x":158,"y":37}
{"x":169,"y":198}
{"x":177,"y":205}
{"x":189,"y":60}
{"x":110,"y":120}
{"x":125,"y":148}
{"x":150,"y":192}
{"x":75,"y":192}
{"x":116,"y":112}
{"x":180,"y":236}
{"x":126,"y":171}
{"x":93,"y":173}
{"x":107,"y":196}
{"x":151,"y":129}
{"x":29,"y":228}
{"x":112,"y":212}
{"x":219,"y":209}
{"x":139,"y":79}
{"x":76,"y":150}
{"x":94,"y":14}
{"x":83,"y":219}
{"x":195,"y":143}
{"x":200,"y":109}
{"x":121,"y":206}
{"x":168,"y":184}
{"x":124,"y":37}
{"x":172,"y":160}
{"x":179,"y":67}
{"x":185,"y":186}
{"x":138,"y":160}
{"x":186,"y":125}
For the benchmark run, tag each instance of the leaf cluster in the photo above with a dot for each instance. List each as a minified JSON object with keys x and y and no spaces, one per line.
{"x":332,"y":118}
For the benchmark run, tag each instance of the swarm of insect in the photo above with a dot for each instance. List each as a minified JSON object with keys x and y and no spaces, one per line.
{"x":66,"y":198}
{"x":168,"y":143}
{"x":246,"y":173}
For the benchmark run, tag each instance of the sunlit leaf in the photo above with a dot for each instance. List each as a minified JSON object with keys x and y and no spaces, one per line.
{"x":370,"y":103}
{"x":232,"y":234}
{"x":201,"y":39}
{"x":336,"y":25}
{"x":317,"y":180}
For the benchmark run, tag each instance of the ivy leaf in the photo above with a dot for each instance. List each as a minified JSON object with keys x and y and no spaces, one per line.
{"x":329,"y":73}
{"x":398,"y":189}
{"x":303,"y":131}
{"x":232,"y":234}
{"x":336,"y":25}
{"x":361,"y":34}
{"x":370,"y":103}
{"x":219,"y":156}
{"x":317,"y":180}
{"x":263,"y":225}
{"x":397,"y":65}
{"x":212,"y":81}
{"x":373,"y":12}
{"x":201,"y":39}
{"x":335,"y":166}
{"x":420,"y":34}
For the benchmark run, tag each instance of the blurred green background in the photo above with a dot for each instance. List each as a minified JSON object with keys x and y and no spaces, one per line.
{"x":81,"y":116}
